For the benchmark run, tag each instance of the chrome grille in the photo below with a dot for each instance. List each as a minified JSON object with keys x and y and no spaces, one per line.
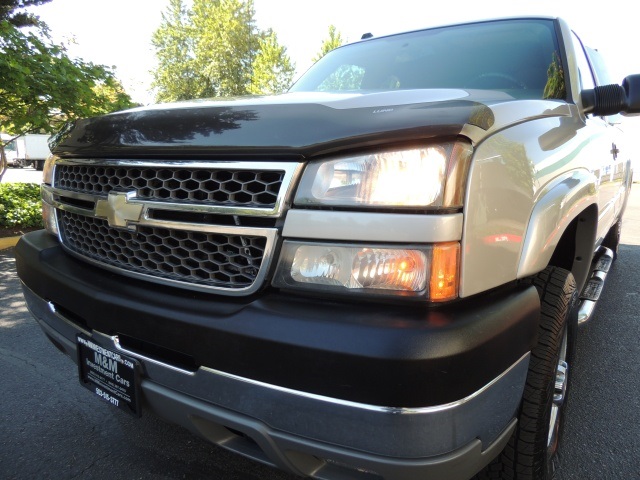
{"x":194,"y":224}
{"x":204,"y":258}
{"x":218,"y":186}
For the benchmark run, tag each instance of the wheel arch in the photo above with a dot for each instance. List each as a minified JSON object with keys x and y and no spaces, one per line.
{"x":562,"y":228}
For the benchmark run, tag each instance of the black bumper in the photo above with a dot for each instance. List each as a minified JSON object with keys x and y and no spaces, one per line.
{"x":385,"y":355}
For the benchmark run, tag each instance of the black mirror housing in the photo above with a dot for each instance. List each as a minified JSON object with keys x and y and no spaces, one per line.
{"x":631,"y":85}
{"x":612,"y":99}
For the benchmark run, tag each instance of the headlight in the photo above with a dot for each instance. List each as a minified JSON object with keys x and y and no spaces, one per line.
{"x":428,"y":272}
{"x":430,"y":176}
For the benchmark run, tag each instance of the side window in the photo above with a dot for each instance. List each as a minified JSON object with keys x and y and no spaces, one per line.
{"x":586,"y":77}
{"x":602,"y":77}
{"x":599,"y":67}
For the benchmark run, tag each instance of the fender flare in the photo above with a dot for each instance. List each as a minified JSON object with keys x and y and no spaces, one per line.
{"x":558,"y":204}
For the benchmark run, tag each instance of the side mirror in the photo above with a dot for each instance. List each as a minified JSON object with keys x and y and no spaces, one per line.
{"x":611,"y":99}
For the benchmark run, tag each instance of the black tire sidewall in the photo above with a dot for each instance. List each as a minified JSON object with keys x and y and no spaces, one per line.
{"x":559,"y":300}
{"x":526,"y":456}
{"x":612,"y":239}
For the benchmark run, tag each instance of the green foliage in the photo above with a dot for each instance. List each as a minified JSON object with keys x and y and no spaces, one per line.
{"x":108,"y":96}
{"x":346,"y":77}
{"x":555,"y":87}
{"x":272,"y":68}
{"x":20,"y":205}
{"x":333,"y":41}
{"x":175,"y":77}
{"x":19,"y":19}
{"x":226,"y":40}
{"x":215,"y":49}
{"x":41,"y":87}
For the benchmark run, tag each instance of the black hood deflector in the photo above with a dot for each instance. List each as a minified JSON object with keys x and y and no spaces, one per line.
{"x":286,"y":130}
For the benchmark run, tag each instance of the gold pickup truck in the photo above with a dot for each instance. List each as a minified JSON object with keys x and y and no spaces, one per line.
{"x":377,"y":275}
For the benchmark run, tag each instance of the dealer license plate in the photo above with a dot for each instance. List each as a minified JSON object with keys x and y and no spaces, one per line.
{"x":113,"y":377}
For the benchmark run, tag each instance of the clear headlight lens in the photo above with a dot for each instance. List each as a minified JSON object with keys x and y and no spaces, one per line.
{"x":379,"y":270}
{"x":430,"y":176}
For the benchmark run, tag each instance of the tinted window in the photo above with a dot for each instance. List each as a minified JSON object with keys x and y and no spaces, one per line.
{"x":515,"y":56}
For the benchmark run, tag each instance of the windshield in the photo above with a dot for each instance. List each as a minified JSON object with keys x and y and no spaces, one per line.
{"x":519,"y":57}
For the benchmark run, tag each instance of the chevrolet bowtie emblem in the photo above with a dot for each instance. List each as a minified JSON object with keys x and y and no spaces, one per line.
{"x":117,"y":209}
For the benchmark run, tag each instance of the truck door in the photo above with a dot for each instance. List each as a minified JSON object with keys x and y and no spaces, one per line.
{"x":604,"y":149}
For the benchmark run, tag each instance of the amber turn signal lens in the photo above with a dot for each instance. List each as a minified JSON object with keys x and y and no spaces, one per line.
{"x":444,"y":272}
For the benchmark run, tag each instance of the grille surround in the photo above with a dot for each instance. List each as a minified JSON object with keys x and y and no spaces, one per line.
{"x":116,"y":228}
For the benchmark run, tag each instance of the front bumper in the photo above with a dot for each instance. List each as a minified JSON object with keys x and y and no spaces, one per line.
{"x":304,"y":431}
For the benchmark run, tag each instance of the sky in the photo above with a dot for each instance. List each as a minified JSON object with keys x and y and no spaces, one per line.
{"x":118,"y":32}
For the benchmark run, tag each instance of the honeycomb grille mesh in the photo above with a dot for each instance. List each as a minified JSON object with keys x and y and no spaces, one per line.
{"x":246,"y":188}
{"x":204,"y":258}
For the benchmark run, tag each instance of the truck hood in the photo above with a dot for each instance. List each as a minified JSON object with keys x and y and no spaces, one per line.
{"x":296,"y":124}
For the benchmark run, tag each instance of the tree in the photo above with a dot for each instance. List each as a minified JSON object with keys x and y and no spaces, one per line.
{"x":41,"y":87}
{"x":110,"y":96}
{"x":20,"y":19}
{"x":334,"y":41}
{"x":215,"y":49}
{"x":555,"y":86}
{"x":226,"y":41}
{"x":175,"y":77}
{"x":272,"y":68}
{"x":345,"y":77}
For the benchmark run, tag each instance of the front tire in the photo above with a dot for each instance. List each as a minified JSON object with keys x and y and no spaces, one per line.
{"x":532,"y":451}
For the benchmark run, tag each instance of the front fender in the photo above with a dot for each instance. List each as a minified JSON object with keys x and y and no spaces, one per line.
{"x":525,"y":188}
{"x":558,"y":204}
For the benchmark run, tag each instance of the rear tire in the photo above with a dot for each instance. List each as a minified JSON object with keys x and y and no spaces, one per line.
{"x":532,"y":451}
{"x":612,"y":240}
